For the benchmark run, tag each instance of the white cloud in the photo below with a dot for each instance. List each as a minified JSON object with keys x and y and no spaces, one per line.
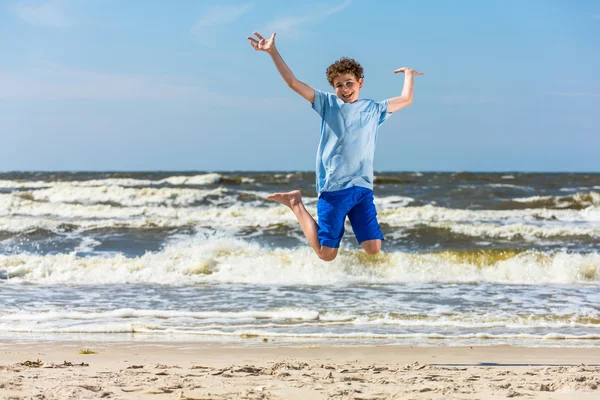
{"x":41,"y":14}
{"x":574,"y":94}
{"x":222,"y":15}
{"x":289,"y":24}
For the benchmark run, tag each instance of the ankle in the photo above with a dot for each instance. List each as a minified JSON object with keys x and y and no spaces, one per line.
{"x":295,"y":204}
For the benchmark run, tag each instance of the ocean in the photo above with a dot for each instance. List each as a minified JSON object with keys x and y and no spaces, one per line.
{"x":469,"y":259}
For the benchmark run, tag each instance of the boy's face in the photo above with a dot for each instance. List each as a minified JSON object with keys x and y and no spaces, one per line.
{"x":347,"y":87}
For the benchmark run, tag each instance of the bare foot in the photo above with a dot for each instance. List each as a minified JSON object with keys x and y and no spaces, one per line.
{"x":289,"y":199}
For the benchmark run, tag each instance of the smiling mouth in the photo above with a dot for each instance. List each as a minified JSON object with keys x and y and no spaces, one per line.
{"x":348,"y":96}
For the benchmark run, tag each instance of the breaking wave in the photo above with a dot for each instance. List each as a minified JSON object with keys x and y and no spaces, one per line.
{"x":235,"y":261}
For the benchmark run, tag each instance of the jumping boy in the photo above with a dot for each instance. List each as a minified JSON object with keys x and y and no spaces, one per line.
{"x":345,"y":155}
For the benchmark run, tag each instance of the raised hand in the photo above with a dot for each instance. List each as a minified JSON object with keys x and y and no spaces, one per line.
{"x":262,"y":44}
{"x":407,"y":70}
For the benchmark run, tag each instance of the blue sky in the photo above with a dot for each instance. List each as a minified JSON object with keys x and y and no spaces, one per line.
{"x":509,"y":85}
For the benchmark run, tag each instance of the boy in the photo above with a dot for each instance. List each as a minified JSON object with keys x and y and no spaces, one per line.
{"x":345,"y":156}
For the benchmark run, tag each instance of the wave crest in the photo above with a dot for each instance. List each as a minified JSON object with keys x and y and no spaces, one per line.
{"x":577,"y":201}
{"x":235,"y":261}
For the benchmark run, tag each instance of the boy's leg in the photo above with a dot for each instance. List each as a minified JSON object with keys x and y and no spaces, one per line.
{"x":371,"y":246}
{"x":363,"y":217}
{"x":310,"y":228}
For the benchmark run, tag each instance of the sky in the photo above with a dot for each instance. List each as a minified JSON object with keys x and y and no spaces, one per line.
{"x":111,"y":85}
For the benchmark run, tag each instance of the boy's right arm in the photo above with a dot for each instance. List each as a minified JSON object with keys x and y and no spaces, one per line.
{"x":268,"y":45}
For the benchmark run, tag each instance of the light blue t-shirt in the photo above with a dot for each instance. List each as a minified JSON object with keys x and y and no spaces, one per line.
{"x":348,"y":136}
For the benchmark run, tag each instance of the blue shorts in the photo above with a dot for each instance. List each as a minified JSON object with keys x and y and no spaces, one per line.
{"x":355,"y":202}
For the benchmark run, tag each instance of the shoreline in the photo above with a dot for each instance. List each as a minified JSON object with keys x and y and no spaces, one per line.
{"x":192,"y":370}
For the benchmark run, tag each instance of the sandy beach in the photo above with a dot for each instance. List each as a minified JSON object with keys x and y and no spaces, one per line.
{"x":204,"y":371}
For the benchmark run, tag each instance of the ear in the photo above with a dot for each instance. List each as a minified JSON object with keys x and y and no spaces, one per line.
{"x":360,"y":83}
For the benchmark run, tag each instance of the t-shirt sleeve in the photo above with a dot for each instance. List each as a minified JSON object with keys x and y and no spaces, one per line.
{"x":381,"y":107}
{"x":322,"y":102}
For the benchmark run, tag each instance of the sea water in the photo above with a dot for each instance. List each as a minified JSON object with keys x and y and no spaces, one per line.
{"x":468,"y":259}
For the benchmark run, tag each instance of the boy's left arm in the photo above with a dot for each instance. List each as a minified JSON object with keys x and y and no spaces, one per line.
{"x":406,"y":98}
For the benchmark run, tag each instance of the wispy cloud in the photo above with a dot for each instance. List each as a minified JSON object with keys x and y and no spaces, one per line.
{"x":467,"y":99}
{"x":50,"y":81}
{"x":40,"y":14}
{"x":574,"y":94}
{"x":221,"y":15}
{"x":290,"y":24}
{"x":91,"y":87}
{"x":596,"y":16}
{"x":54,"y":82}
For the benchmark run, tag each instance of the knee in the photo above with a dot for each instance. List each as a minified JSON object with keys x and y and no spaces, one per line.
{"x":373,"y":247}
{"x":373,"y":251}
{"x":327,"y":255}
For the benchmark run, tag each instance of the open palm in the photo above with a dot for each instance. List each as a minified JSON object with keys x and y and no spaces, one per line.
{"x":408,"y":70}
{"x":262,"y":44}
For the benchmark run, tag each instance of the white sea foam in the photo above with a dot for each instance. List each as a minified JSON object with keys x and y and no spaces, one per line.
{"x":468,"y":325}
{"x":87,"y":245}
{"x":101,"y":327}
{"x":392,"y":202}
{"x":206,"y":179}
{"x":119,"y":195}
{"x":262,"y":333}
{"x":519,"y":230}
{"x":151,"y":319}
{"x":281,"y":314}
{"x":428,"y":213}
{"x":372,"y":335}
{"x":8,"y":184}
{"x":22,"y":214}
{"x":506,"y":185}
{"x":235,"y":261}
{"x":583,"y":199}
{"x":202,"y":179}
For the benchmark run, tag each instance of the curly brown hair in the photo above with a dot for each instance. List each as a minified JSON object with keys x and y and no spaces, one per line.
{"x":343,"y":66}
